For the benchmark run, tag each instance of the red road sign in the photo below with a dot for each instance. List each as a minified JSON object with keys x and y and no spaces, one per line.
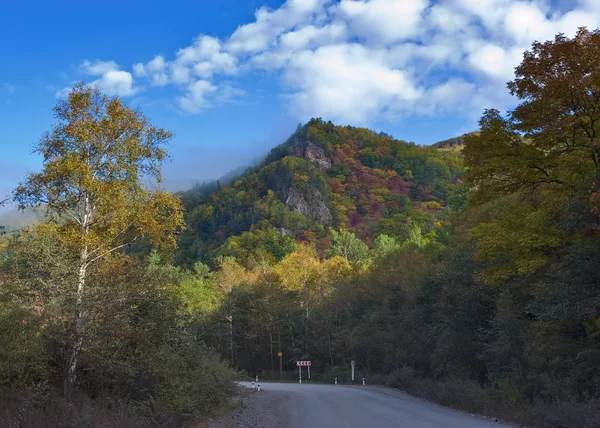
{"x":303,"y":363}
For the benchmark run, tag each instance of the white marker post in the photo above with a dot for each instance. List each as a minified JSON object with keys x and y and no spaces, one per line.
{"x":253,"y":386}
{"x":258,"y":387}
{"x":353,"y":364}
{"x":309,"y":372}
{"x":336,"y":380}
{"x":363,"y":381}
{"x":300,"y":372}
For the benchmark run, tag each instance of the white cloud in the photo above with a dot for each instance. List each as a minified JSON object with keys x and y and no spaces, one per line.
{"x":346,"y":82}
{"x":447,"y":19}
{"x":116,"y":82}
{"x":445,"y":97}
{"x":525,"y":22}
{"x":98,"y":68}
{"x":160,"y":79}
{"x":227,"y":93}
{"x":268,"y":25}
{"x":384,"y":21}
{"x":109,"y":78}
{"x":196,"y":97}
{"x":139,"y":70}
{"x":356,"y":60}
{"x":495,"y":61}
{"x":179,"y":74}
{"x":308,"y":37}
{"x":157,"y":65}
{"x":489,"y":12}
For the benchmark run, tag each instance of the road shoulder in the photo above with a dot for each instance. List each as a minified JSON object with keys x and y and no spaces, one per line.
{"x":264,"y":409}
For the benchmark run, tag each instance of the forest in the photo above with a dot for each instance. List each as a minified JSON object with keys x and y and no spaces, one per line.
{"x":464,"y":272}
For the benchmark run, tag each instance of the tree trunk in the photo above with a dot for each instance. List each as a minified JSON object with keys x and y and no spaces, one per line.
{"x":231,"y":337}
{"x":280,"y":350}
{"x":77,"y":336}
{"x":231,"y":329}
{"x":272,"y":361}
{"x":329,"y":340}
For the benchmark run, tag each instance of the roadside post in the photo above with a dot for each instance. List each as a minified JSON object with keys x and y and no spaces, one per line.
{"x":253,"y":385}
{"x":363,"y":381}
{"x":336,"y":380}
{"x":353,"y":364}
{"x":280,"y":355}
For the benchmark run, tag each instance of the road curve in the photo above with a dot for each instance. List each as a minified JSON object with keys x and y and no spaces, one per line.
{"x":330,"y":406}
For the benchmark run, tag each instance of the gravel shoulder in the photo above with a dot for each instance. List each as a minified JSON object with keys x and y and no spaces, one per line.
{"x":264,"y":409}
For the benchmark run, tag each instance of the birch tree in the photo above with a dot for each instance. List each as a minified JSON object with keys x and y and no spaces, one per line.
{"x":95,"y":159}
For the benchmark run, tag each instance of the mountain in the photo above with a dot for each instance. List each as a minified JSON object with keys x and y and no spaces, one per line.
{"x":323,"y":177}
{"x":13,"y":219}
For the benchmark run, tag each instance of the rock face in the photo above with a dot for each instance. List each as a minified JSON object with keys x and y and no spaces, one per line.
{"x":284,"y":231}
{"x":315,"y":209}
{"x":312,"y":153}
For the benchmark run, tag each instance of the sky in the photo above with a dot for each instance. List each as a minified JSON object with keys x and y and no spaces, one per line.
{"x":233,"y":78}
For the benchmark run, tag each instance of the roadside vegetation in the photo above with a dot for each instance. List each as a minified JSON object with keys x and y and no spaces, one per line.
{"x":91,"y":335}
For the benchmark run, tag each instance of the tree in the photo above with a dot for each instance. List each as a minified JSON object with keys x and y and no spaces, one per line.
{"x":348,"y":246}
{"x":551,"y":140}
{"x":543,"y":158}
{"x":384,"y":245}
{"x":230,"y":275}
{"x":94,"y":160}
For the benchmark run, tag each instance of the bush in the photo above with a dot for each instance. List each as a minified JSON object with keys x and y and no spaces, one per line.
{"x":503,"y":402}
{"x":22,"y":353}
{"x":195,"y":381}
{"x":140,"y":363}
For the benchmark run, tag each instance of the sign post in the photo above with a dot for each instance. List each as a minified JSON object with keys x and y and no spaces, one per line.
{"x":353,"y":364}
{"x":280,"y":355}
{"x":300,"y":364}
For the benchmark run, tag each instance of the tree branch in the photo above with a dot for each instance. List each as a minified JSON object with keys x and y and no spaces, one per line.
{"x":106,"y":253}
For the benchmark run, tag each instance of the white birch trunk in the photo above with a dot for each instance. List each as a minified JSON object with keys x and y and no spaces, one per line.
{"x":77,"y":337}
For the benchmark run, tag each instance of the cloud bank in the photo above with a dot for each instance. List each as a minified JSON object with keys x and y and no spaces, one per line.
{"x":361,"y":60}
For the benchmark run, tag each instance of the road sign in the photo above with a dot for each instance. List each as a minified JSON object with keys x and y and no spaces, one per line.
{"x":280,"y":354}
{"x":301,"y":364}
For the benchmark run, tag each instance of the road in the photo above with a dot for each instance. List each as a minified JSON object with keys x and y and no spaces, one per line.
{"x":330,"y":406}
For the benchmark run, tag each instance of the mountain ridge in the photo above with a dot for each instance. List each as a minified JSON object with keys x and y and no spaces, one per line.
{"x":322,"y":177}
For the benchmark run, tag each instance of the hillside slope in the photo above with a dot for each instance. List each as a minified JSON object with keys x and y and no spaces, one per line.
{"x":324,"y":176}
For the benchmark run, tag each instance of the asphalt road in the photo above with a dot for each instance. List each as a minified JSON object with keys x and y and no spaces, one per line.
{"x":330,"y":406}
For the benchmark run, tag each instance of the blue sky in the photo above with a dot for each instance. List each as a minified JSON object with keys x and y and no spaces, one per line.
{"x":233,"y":78}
